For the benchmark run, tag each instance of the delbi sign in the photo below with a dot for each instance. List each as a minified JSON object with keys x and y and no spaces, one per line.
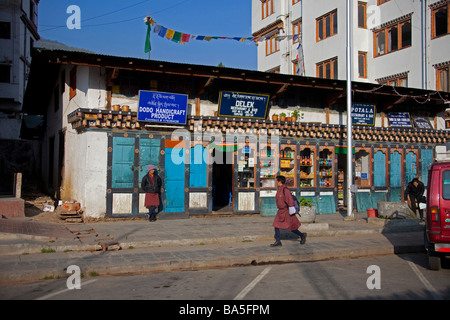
{"x":162,"y":107}
{"x":243,"y":105}
{"x":363,"y":114}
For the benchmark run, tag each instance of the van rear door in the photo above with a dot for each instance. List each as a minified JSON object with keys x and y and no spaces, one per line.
{"x":444,"y":204}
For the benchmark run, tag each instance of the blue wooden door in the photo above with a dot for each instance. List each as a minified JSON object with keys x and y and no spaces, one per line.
{"x":174,"y":180}
{"x":148,"y":154}
{"x":379,"y":169}
{"x":198,"y":168}
{"x":427,"y":158}
{"x":411,"y":167}
{"x":122,"y":163}
{"x":395,"y":178}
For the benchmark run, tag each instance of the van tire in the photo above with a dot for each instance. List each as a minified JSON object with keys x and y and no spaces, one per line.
{"x":434,"y":262}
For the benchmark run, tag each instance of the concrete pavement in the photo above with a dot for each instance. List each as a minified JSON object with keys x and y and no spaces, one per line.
{"x":33,"y":250}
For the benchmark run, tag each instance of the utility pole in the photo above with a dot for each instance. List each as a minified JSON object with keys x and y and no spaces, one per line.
{"x":349,"y":113}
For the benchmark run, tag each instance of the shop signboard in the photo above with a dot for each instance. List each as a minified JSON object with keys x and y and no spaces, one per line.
{"x":162,"y":107}
{"x":363,"y":114}
{"x":422,"y":123}
{"x":399,"y":119}
{"x":243,"y":105}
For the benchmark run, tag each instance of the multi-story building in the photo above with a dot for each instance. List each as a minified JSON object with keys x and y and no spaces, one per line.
{"x":18,"y":32}
{"x":394,"y":42}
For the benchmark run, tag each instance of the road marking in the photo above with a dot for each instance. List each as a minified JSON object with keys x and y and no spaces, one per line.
{"x":252,"y":284}
{"x":425,"y":282}
{"x":50,"y":295}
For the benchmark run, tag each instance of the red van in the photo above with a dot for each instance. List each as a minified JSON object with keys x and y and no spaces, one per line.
{"x":437,"y":231}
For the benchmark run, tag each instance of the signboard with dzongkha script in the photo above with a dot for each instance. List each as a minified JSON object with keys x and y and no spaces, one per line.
{"x":243,"y":105}
{"x":399,"y":119}
{"x":162,"y":107}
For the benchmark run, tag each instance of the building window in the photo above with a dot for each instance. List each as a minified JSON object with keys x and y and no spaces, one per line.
{"x":440,"y":20}
{"x":395,"y":81}
{"x":266,"y":8}
{"x":362,"y":64}
{"x":443,"y":79}
{"x":73,"y":83}
{"x":380,"y":2}
{"x":296,"y":30}
{"x":5,"y":73}
{"x":5,"y":30}
{"x":295,"y":1}
{"x":392,"y":38}
{"x":327,"y":69}
{"x":362,"y":15}
{"x":272,"y":45}
{"x":326,"y":26}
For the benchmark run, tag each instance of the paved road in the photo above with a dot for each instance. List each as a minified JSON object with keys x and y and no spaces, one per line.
{"x":401,"y":277}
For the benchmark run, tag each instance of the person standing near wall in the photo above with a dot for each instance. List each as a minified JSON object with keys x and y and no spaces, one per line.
{"x":414,"y":195}
{"x":151,"y":183}
{"x":283,"y":220}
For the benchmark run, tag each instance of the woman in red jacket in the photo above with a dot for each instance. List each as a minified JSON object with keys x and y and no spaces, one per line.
{"x":283,"y":220}
{"x":151,"y":183}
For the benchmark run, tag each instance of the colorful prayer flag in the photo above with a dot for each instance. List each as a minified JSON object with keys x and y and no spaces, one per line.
{"x":148,"y":46}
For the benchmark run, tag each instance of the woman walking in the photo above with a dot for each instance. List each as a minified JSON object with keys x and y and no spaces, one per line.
{"x":283,"y":220}
{"x":151,"y":183}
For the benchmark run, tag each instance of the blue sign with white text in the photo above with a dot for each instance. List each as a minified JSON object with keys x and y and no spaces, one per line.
{"x":243,"y":105}
{"x":162,"y":107}
{"x":363,"y":114}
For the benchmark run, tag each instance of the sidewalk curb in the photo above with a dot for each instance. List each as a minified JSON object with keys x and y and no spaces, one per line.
{"x":138,"y":261}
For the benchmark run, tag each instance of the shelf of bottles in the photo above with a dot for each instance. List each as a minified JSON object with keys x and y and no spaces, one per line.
{"x":246,"y":165}
{"x":268,"y":166}
{"x":307,"y":166}
{"x":288,"y":164}
{"x":326,"y":167}
{"x":340,"y":190}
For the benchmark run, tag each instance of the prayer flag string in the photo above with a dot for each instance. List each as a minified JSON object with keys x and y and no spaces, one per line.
{"x":183,"y":38}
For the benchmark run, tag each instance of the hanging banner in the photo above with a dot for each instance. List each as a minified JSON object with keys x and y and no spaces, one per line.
{"x":399,"y":119}
{"x":162,"y":107}
{"x":363,"y":114}
{"x":243,"y":105}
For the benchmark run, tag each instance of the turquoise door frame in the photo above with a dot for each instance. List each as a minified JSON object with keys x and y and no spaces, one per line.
{"x":128,"y":158}
{"x":395,"y":172}
{"x":175,"y":163}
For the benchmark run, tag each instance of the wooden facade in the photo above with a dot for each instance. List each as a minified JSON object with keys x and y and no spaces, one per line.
{"x":205,"y":172}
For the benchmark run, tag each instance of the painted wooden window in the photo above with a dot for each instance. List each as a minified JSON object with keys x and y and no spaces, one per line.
{"x":272,"y":45}
{"x":266,"y":8}
{"x":288,"y":164}
{"x":380,"y":2}
{"x":307,"y":166}
{"x":296,"y":30}
{"x":295,"y":1}
{"x":326,"y":167}
{"x":362,"y":15}
{"x":326,"y":26}
{"x":246,"y":163}
{"x":362,"y":64}
{"x":440,"y":20}
{"x":268,"y":165}
{"x":443,"y":79}
{"x":392,"y":38}
{"x":363,"y":168}
{"x":401,"y":81}
{"x":327,"y":69}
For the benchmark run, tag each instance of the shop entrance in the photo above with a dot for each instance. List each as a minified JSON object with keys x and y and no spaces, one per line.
{"x":222,"y":180}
